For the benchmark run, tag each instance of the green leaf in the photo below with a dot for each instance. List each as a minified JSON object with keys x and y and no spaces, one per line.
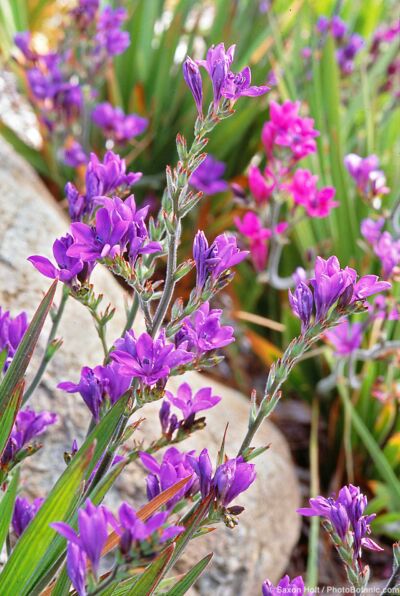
{"x":19,"y":364}
{"x":8,"y":413}
{"x":20,"y":572}
{"x":7,"y":507}
{"x":183,"y":585}
{"x":152,"y":575}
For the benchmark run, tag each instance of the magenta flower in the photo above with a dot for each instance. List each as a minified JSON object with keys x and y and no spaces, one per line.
{"x":24,"y":512}
{"x":90,"y":538}
{"x":12,"y":330}
{"x":116,"y":125}
{"x":68,"y":268}
{"x":287,"y":129}
{"x":345,"y":513}
{"x":251,"y":227}
{"x":28,"y":425}
{"x":174,"y":466}
{"x":259,"y":185}
{"x":294,"y":587}
{"x":202,"y":331}
{"x":317,"y":202}
{"x":109,"y":36}
{"x":98,"y":384}
{"x":214,"y":260}
{"x":345,"y":338}
{"x":365,"y":171}
{"x":232,"y":478}
{"x":148,"y":359}
{"x":106,"y":239}
{"x":208,"y":176}
{"x":192,"y":76}
{"x":190,"y":404}
{"x":239,"y":84}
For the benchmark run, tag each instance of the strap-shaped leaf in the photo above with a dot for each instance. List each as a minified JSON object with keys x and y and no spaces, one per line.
{"x":8,"y":414}
{"x":7,"y":507}
{"x":187,"y":581}
{"x":18,"y":574}
{"x":22,"y":356}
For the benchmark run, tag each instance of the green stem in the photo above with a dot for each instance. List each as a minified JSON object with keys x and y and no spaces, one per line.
{"x":312,"y":560}
{"x":393,"y":582}
{"x":131,"y":314}
{"x":48,"y":354}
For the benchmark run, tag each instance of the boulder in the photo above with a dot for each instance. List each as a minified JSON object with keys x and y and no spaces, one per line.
{"x":260,"y":546}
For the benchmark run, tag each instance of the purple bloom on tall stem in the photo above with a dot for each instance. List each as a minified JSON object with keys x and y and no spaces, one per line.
{"x":302,"y":302}
{"x":204,"y":471}
{"x":345,"y":338}
{"x":294,"y":587}
{"x":190,"y":404}
{"x":215,"y":259}
{"x":109,"y":36}
{"x":98,"y":383}
{"x":192,"y":76}
{"x":217,"y":64}
{"x":24,"y":512}
{"x":203,"y":332}
{"x":68,"y":267}
{"x":28,"y":425}
{"x":208,"y":176}
{"x":117,"y":125}
{"x":74,"y":155}
{"x":76,"y":567}
{"x":232,"y":478}
{"x":174,"y":466}
{"x":239,"y":84}
{"x":372,"y":229}
{"x":133,"y":529}
{"x":365,"y":171}
{"x":148,"y":359}
{"x":12,"y":330}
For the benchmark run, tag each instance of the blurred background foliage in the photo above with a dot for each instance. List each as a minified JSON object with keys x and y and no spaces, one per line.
{"x":359,"y":437}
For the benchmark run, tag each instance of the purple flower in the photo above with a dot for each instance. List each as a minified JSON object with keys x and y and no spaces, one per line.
{"x":346,"y":54}
{"x":192,"y":76}
{"x":215,"y":259}
{"x":338,"y":26}
{"x":68,"y":268}
{"x":365,"y":171}
{"x":109,"y":36}
{"x":12,"y":330}
{"x":294,"y":587}
{"x":76,"y":567}
{"x":148,"y":359}
{"x":174,"y":467}
{"x":133,"y":529}
{"x":368,"y":286}
{"x":106,"y":239}
{"x":85,"y":13}
{"x":345,"y":337}
{"x":204,"y":471}
{"x":169,"y":422}
{"x":91,"y":536}
{"x":24,"y":512}
{"x":28,"y":425}
{"x":217,"y":64}
{"x":388,"y":251}
{"x":74,"y":155}
{"x":203,"y":332}
{"x":239,"y":84}
{"x":232,"y":478}
{"x":208,"y":176}
{"x":372,"y":229}
{"x":116,"y":125}
{"x":301,"y":303}
{"x":190,"y":404}
{"x":345,"y":513}
{"x":97,"y":384}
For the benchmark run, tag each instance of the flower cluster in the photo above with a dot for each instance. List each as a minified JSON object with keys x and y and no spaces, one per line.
{"x":347,"y":522}
{"x":287,"y":138}
{"x":349,"y":44}
{"x":370,"y":180}
{"x":28,"y":425}
{"x":226,"y":85}
{"x":116,"y":125}
{"x":24,"y":512}
{"x":384,"y":245}
{"x":331,"y":286}
{"x":12,"y":330}
{"x":188,"y":404}
{"x":86,"y":544}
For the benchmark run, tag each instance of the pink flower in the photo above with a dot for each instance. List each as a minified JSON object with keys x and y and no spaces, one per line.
{"x":317,"y":202}
{"x":251,"y":227}
{"x":287,"y":129}
{"x":258,"y":184}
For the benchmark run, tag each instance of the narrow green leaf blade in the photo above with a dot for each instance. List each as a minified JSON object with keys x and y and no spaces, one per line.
{"x":8,"y":412}
{"x":19,"y":364}
{"x":7,"y":507}
{"x":152,"y":575}
{"x":183,"y":585}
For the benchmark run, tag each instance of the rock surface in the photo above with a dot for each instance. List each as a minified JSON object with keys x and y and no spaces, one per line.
{"x":260,"y":546}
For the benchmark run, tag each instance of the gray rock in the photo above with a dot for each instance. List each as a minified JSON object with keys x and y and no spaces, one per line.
{"x":260,"y":546}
